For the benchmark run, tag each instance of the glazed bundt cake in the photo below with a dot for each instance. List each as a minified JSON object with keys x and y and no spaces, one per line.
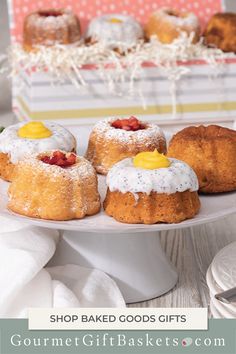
{"x":211,"y":152}
{"x":21,"y":139}
{"x":221,"y":32}
{"x":115,"y":31}
{"x":150,"y":188}
{"x":167,"y":24}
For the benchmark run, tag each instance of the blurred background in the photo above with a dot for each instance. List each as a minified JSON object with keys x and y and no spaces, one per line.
{"x":6,"y":117}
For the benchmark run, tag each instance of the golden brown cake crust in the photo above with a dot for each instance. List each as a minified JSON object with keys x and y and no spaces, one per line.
{"x":104,"y":154}
{"x":6,"y":167}
{"x":162,"y":24}
{"x":221,"y":32}
{"x":153,"y":208}
{"x":211,"y":152}
{"x":53,"y":193}
{"x":104,"y":151}
{"x":49,"y":27}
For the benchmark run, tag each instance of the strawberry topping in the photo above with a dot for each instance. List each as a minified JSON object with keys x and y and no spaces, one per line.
{"x":60,"y":159}
{"x":130,"y":124}
{"x":49,"y":13}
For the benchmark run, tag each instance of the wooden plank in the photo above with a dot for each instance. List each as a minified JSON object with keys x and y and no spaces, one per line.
{"x":192,"y":251}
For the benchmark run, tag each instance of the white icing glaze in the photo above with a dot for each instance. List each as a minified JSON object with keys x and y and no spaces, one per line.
{"x":124,"y":33}
{"x":152,"y":132}
{"x":124,"y":177}
{"x":17,"y":147}
{"x":189,"y":19}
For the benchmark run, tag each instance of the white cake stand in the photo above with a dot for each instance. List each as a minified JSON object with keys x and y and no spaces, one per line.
{"x":130,"y":254}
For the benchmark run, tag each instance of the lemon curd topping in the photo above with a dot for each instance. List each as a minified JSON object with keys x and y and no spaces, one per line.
{"x":34,"y":130}
{"x":151,"y":160}
{"x":115,"y":20}
{"x":17,"y":148}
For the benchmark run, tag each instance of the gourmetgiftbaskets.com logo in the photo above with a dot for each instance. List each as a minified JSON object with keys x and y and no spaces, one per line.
{"x":117,"y":340}
{"x":218,"y":338}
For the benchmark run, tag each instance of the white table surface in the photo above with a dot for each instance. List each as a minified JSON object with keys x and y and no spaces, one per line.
{"x":190,"y":250}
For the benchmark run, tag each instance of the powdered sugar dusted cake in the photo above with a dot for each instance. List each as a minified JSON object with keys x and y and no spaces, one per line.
{"x":167,"y":24}
{"x":63,"y":186}
{"x":114,"y":139}
{"x":49,"y":27}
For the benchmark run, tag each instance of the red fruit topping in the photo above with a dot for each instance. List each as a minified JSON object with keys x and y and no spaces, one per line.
{"x":131,"y":124}
{"x":58,"y":158}
{"x":47,"y":13}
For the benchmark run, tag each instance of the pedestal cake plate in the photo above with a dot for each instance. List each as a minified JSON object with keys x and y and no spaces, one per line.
{"x":131,"y":254}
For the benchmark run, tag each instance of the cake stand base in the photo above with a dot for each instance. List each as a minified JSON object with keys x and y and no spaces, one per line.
{"x":135,"y":261}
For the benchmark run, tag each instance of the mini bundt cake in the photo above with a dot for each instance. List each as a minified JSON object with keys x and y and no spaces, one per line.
{"x":115,"y":31}
{"x":166,"y":24}
{"x":150,"y":188}
{"x":62,"y":186}
{"x":114,"y":139}
{"x":50,"y":27}
{"x":211,"y":152}
{"x":221,"y":32}
{"x":26,"y":138}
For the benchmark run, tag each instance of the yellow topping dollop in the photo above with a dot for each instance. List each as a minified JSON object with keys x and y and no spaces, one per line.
{"x":151,"y":160}
{"x":115,"y":20}
{"x":34,"y":130}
